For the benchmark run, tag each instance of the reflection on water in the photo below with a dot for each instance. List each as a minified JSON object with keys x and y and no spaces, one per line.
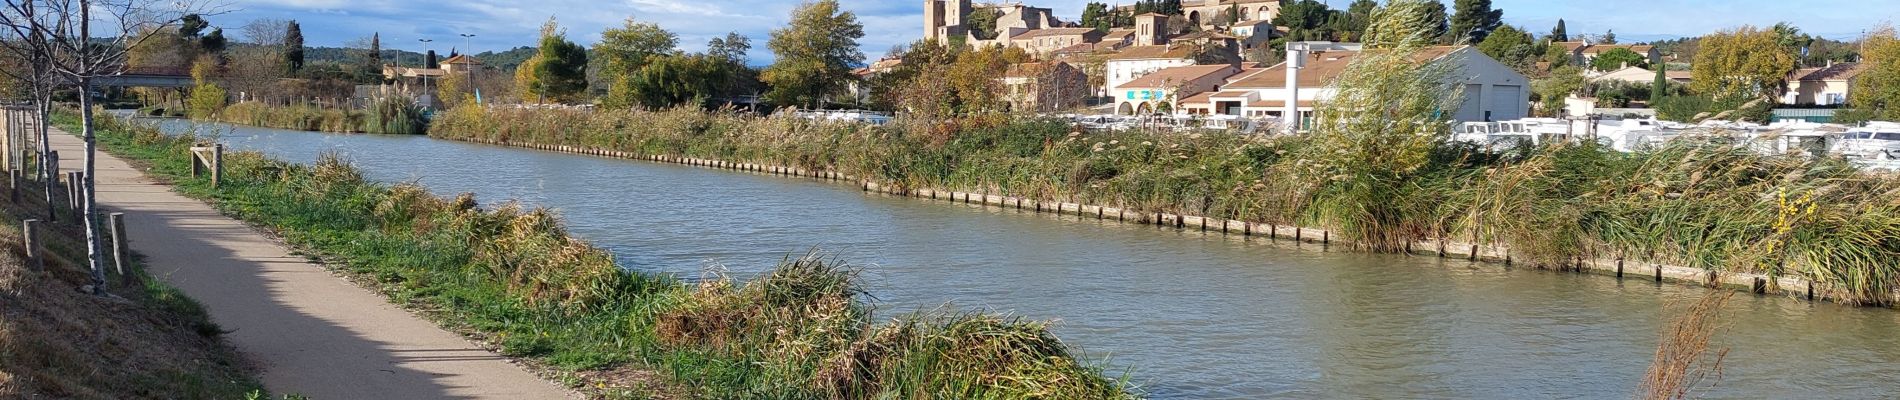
{"x":1194,"y":315}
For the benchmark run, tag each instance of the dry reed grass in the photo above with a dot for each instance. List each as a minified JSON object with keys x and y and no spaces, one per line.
{"x":1685,"y":358}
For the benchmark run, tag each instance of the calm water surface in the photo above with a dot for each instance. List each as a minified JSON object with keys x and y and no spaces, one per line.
{"x":1193,"y":315}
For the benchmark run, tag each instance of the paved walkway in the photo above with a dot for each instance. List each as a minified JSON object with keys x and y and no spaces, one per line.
{"x":312,"y":333}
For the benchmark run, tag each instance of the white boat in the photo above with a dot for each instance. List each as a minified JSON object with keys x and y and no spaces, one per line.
{"x":1876,"y":142}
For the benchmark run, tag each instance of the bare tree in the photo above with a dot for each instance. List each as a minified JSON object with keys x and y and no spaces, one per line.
{"x":265,"y":32}
{"x":73,"y":54}
{"x":30,"y":41}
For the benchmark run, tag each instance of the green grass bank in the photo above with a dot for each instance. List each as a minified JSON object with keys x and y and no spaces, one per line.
{"x":1696,"y":203}
{"x":514,"y":276}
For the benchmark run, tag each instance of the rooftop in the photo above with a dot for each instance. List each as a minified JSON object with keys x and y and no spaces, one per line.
{"x":1052,"y":32}
{"x":1166,"y":77}
{"x":462,"y":59}
{"x":1322,"y":68}
{"x":1154,"y":52}
{"x":1840,"y":71}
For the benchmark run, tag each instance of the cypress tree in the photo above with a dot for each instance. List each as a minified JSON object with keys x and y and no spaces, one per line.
{"x":1559,"y":34}
{"x":293,"y":47}
{"x":1659,"y":88}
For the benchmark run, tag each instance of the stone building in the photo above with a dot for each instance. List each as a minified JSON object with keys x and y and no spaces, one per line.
{"x":1044,"y":86}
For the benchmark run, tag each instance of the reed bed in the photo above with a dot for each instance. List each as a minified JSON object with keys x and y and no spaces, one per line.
{"x":1706,"y":204}
{"x":387,"y":116}
{"x":802,"y":330}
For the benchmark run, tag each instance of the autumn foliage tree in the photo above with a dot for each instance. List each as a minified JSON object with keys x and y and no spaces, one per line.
{"x":816,"y":54}
{"x":1745,"y":62}
{"x":1877,"y":90}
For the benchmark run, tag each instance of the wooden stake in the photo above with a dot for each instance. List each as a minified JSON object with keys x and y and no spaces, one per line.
{"x":35,"y":256}
{"x":119,"y":262}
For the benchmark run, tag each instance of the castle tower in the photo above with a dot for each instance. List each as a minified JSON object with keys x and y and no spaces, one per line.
{"x":1151,"y":29}
{"x":933,"y":19}
{"x":944,"y":19}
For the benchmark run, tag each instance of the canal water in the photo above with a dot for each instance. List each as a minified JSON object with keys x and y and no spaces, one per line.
{"x":1189,"y":315}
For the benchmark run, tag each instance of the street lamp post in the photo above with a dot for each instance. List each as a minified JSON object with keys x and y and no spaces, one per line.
{"x":470,"y":62}
{"x":424,"y":66}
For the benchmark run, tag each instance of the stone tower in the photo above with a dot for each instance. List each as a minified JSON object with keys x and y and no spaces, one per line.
{"x":943,"y":19}
{"x":1151,"y":29}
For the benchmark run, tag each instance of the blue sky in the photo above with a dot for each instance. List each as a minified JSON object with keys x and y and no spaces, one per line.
{"x":502,"y":24}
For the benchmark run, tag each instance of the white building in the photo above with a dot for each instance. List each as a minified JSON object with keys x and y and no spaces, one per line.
{"x":1134,"y":62}
{"x":1492,"y":91}
{"x":1163,"y":91}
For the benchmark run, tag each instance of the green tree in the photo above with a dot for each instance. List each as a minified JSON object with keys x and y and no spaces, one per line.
{"x":1744,"y":62}
{"x":191,"y":25}
{"x":1559,"y":33}
{"x":731,"y":51}
{"x":1660,"y":87}
{"x":1098,"y":16}
{"x":625,"y":49}
{"x":1562,"y":82}
{"x":560,"y":67}
{"x":982,"y":22}
{"x":293,"y":46}
{"x":207,"y":99}
{"x":816,"y":53}
{"x":669,"y":81}
{"x":1437,"y":22}
{"x":213,"y":43}
{"x":1609,"y":37}
{"x":1876,"y":93}
{"x":1557,"y":55}
{"x":1474,"y":21}
{"x":1509,"y":45}
{"x":1618,"y":58}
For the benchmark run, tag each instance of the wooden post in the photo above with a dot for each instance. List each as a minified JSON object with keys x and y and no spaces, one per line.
{"x":79,"y":196}
{"x":35,"y":256}
{"x":13,"y":185}
{"x":117,"y":221}
{"x":217,"y":164}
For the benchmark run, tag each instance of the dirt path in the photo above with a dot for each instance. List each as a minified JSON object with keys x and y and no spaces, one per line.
{"x":312,"y":333}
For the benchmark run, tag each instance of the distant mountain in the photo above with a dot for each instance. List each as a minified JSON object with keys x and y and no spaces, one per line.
{"x":1644,"y":37}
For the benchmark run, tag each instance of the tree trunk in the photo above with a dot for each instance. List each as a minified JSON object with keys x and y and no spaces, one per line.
{"x":45,"y":111}
{"x":93,"y":256}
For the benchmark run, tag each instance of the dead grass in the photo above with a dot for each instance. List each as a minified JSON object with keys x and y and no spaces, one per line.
{"x":1685,"y":360}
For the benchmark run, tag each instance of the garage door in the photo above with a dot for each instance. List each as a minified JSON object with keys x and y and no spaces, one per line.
{"x":1507,"y":103}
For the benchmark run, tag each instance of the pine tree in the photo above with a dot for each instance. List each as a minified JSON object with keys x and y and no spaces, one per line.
{"x":561,"y":72}
{"x":1474,"y":20}
{"x":1559,"y":34}
{"x":293,"y":47}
